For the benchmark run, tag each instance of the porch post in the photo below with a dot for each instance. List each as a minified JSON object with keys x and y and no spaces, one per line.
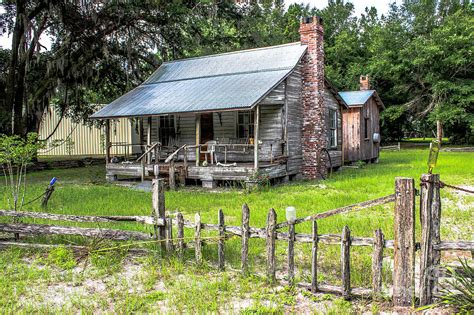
{"x":107,"y":141}
{"x":256,"y":136}
{"x":198,"y":137}
{"x":148,"y":139}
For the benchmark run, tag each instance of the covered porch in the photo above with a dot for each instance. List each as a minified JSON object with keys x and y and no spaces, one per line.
{"x":229,"y":146}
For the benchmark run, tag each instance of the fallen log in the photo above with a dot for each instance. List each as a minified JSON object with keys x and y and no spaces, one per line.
{"x":118,"y":235}
{"x":79,"y":218}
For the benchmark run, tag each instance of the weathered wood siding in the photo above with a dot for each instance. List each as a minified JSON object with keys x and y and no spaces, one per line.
{"x":332,"y":103}
{"x":352,"y":134}
{"x":356,"y":145}
{"x":294,"y":122}
{"x":369,"y":149}
{"x":225,"y":126}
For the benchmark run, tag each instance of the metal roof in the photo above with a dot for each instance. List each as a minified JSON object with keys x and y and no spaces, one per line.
{"x":356,"y":98}
{"x":359,"y":98}
{"x":237,"y":80}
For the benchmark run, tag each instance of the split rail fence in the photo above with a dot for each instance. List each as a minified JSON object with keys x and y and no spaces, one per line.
{"x":403,"y":244}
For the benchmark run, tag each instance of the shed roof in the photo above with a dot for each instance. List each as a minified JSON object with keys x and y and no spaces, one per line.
{"x":236,"y":80}
{"x":359,"y":98}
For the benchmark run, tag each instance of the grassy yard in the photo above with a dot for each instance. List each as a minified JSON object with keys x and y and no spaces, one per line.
{"x":149,"y":284}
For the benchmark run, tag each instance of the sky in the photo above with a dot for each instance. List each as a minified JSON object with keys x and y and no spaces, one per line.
{"x":360,"y":5}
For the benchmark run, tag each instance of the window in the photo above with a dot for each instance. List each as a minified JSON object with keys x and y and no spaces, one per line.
{"x":366,"y":127}
{"x":245,"y":125}
{"x":167,"y":130}
{"x":332,"y":128}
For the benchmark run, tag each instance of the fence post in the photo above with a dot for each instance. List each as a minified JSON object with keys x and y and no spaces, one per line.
{"x":158,"y":204}
{"x":314,"y":258}
{"x":270,"y":244}
{"x":430,"y":217}
{"x":180,"y":235}
{"x":220,"y":244}
{"x":346,"y":262}
{"x":377,"y":262}
{"x":291,"y":253}
{"x":404,"y":243}
{"x":197,"y":238}
{"x":245,"y":237}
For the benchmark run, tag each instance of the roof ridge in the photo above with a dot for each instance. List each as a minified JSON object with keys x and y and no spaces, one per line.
{"x":233,"y":52}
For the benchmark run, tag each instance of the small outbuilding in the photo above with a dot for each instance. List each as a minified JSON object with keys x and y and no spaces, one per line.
{"x":361,"y":123}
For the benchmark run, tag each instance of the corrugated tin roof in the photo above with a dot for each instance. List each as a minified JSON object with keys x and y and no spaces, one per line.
{"x":356,"y":98}
{"x":236,"y":80}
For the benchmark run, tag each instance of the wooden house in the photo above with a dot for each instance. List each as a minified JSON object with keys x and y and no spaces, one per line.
{"x":238,"y":116}
{"x":361,"y":123}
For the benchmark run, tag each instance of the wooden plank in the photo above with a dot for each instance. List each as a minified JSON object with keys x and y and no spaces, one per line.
{"x":119,"y":235}
{"x":455,"y":245}
{"x":377,"y":262}
{"x":148,"y":139}
{"x":81,"y":218}
{"x":197,"y":238}
{"x":198,"y":137}
{"x":220,"y":243}
{"x":355,"y":207}
{"x":180,"y":235}
{"x":172,"y":173}
{"x":245,"y":238}
{"x":430,"y":217}
{"x":169,"y":235}
{"x":107,"y":141}
{"x":404,"y":243}
{"x":345,"y":262}
{"x":291,"y":254}
{"x":270,"y":245}
{"x":158,"y":205}
{"x":314,"y":258}
{"x":256,"y":137}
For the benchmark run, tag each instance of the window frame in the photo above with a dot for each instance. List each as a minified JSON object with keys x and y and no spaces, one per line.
{"x":333,"y":128}
{"x":366,"y":128}
{"x":249,"y":126}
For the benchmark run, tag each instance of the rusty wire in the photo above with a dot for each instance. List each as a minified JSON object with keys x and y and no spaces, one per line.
{"x":443,"y":184}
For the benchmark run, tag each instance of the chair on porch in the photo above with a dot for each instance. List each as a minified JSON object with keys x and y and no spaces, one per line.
{"x":210,"y":150}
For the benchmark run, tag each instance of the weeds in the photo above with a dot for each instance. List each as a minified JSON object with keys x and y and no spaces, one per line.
{"x":458,"y":291}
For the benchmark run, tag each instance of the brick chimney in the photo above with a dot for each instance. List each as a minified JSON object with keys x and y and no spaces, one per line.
{"x":314,"y":110}
{"x":364,"y":83}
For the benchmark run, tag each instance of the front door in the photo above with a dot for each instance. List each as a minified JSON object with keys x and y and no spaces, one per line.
{"x":207,"y":131}
{"x":207,"y":128}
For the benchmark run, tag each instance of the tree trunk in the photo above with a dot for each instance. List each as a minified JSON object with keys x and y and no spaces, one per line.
{"x":14,"y":93}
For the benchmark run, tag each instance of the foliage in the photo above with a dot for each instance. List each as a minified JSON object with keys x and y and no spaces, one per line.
{"x":261,"y":180}
{"x":15,"y":154}
{"x":418,"y":56}
{"x":99,"y":50}
{"x":61,"y":257}
{"x":458,"y":291}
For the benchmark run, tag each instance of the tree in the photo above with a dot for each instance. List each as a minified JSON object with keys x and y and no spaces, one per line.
{"x":99,"y":50}
{"x":15,"y":155}
{"x":422,"y":57}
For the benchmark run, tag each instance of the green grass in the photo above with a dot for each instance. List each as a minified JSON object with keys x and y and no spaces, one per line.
{"x":83,"y":191}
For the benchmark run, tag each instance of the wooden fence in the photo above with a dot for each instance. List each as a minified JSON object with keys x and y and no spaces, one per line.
{"x":403,"y":244}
